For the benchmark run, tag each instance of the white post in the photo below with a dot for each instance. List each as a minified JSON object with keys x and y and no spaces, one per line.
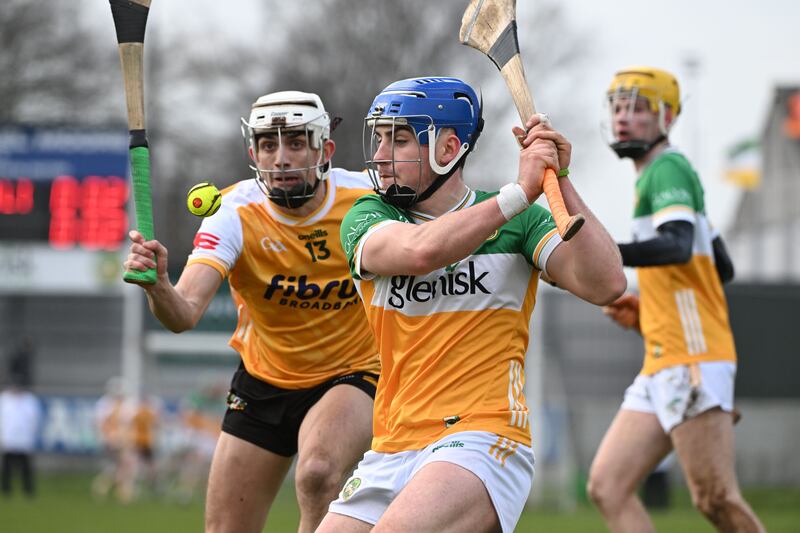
{"x":132,"y":333}
{"x":555,"y":468}
{"x":534,"y":370}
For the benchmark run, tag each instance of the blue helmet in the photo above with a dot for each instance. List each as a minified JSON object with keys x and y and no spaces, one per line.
{"x":448,"y":102}
{"x":426,"y":105}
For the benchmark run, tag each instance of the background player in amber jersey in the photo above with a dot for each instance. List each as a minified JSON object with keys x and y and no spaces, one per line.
{"x":683,"y":397}
{"x":309,"y":362}
{"x":448,"y":276}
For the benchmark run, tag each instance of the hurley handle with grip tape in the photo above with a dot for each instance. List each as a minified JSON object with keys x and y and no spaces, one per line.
{"x":490,"y":26}
{"x":130,"y":21}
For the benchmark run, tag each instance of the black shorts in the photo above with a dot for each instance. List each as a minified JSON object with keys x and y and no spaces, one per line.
{"x":145,"y":452}
{"x":270,"y":417}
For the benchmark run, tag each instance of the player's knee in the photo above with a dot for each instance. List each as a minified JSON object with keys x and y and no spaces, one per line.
{"x":601,"y":491}
{"x":317,"y":476}
{"x":715,"y":501}
{"x":213,"y":522}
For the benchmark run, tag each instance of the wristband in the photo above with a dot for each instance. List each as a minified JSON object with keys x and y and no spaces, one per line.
{"x":512,"y":200}
{"x":563,"y":173}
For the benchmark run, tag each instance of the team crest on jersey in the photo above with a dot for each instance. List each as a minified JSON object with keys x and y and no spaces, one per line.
{"x":350,"y":488}
{"x":450,"y":421}
{"x":658,"y":350}
{"x":273,"y":245}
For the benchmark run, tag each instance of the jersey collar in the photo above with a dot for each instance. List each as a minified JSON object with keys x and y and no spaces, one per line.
{"x":467,"y":200}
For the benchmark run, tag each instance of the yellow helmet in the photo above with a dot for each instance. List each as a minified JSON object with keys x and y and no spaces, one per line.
{"x":654,"y":84}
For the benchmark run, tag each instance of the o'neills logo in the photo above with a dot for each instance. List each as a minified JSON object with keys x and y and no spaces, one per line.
{"x":316,"y":234}
{"x":297,"y":291}
{"x":407,"y":288}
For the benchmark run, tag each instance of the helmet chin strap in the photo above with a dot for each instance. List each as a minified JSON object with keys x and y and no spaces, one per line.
{"x":444,"y":172}
{"x":400,"y":196}
{"x":404,"y":197}
{"x":635,"y":149}
{"x":295,"y":196}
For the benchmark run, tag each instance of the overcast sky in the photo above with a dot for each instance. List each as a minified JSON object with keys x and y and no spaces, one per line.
{"x":744,"y":50}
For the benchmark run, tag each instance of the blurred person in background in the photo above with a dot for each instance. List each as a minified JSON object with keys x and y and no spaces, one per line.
{"x":20,"y":420}
{"x":309,"y":365}
{"x":142,"y":425}
{"x":110,"y":416}
{"x":449,"y":277}
{"x":20,"y":364}
{"x":683,"y":397}
{"x":200,"y":417}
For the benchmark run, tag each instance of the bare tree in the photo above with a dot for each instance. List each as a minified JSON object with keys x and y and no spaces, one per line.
{"x":52,"y":73}
{"x":197,"y":88}
{"x":346,"y":51}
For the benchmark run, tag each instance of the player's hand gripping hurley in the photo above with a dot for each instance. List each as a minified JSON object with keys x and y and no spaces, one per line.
{"x":490,"y":26}
{"x":130,"y":20}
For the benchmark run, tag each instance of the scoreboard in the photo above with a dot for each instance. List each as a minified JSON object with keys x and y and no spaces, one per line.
{"x":66,"y":188}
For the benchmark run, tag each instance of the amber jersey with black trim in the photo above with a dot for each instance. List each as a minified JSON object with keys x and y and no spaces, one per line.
{"x":453,"y":341}
{"x":300,"y":320}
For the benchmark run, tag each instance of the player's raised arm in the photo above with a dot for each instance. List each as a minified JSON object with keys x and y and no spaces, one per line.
{"x":178,"y":307}
{"x":598,"y":280}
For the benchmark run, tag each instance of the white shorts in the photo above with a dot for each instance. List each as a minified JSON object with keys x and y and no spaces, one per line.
{"x":506,"y":472}
{"x":670,"y":395}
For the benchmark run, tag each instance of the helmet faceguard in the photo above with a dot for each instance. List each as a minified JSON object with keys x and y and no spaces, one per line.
{"x":282,"y":117}
{"x":424,"y":106}
{"x":661,"y":92}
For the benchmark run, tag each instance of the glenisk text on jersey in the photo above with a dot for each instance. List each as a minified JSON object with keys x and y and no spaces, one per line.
{"x":459,"y":283}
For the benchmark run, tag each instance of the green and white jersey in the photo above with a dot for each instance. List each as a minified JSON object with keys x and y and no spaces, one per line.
{"x":684,"y":314}
{"x":452,"y":342}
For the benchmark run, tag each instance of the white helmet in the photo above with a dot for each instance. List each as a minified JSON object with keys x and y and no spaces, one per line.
{"x":281,"y":113}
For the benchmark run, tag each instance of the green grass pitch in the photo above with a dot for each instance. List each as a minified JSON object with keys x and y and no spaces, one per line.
{"x":64,"y":505}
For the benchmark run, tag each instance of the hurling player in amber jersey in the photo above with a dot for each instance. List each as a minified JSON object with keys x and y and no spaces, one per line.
{"x":682,"y":399}
{"x":448,"y":277}
{"x":309,"y":364}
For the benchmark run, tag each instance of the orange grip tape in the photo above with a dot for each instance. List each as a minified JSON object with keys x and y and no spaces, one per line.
{"x":567,"y":226}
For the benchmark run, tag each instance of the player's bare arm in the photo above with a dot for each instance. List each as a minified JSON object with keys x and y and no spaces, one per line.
{"x":178,"y":307}
{"x":413,"y":249}
{"x":589,"y":265}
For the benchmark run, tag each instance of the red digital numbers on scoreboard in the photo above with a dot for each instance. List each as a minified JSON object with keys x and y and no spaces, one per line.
{"x":16,"y":196}
{"x":89,"y":212}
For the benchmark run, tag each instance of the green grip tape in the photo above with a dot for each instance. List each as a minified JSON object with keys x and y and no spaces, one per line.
{"x":142,"y":201}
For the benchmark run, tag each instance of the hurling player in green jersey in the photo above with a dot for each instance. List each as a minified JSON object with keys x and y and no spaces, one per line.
{"x":448,"y":278}
{"x":682,"y":400}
